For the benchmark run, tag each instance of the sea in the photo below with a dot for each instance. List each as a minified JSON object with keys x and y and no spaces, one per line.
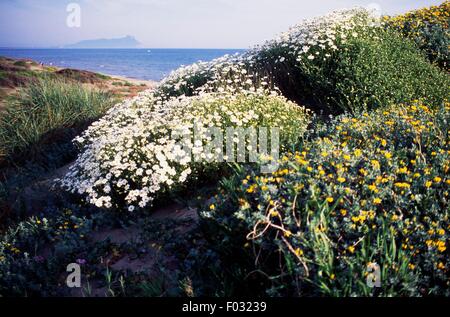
{"x":143,"y":64}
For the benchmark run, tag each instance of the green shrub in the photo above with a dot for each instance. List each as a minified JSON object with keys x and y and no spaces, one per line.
{"x":373,"y":67}
{"x":21,"y":63}
{"x":368,"y":189}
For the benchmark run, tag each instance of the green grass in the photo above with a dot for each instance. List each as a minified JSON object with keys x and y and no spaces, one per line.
{"x":46,"y":107}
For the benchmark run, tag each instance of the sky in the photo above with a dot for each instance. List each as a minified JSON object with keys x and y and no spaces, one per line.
{"x":168,"y":23}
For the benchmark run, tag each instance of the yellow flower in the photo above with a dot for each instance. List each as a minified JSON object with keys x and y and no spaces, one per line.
{"x":330,"y":199}
{"x":441,"y":246}
{"x":428,"y":184}
{"x":357,"y":152}
{"x":343,"y":212}
{"x":437,"y":179}
{"x":387,"y":155}
{"x":298,"y":252}
{"x":377,"y":201}
{"x":375,"y":164}
{"x":351,"y":249}
{"x":251,"y":189}
{"x":212,"y":207}
{"x":274,"y":213}
{"x":441,"y":266}
{"x":341,"y":179}
{"x":402,"y":185}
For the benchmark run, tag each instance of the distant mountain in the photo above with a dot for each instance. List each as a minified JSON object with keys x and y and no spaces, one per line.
{"x":123,"y":42}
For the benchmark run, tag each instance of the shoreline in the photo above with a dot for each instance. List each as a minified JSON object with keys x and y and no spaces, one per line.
{"x":131,"y":80}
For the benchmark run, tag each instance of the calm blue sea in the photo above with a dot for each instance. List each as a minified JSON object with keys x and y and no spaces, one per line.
{"x":148,"y":64}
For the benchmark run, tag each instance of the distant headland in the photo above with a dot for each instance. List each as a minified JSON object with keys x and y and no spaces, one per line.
{"x":123,"y":42}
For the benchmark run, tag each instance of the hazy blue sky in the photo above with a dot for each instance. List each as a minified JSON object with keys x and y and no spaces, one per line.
{"x":168,"y":23}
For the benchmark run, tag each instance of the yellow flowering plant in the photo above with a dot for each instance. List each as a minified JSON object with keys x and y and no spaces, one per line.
{"x":429,"y":28}
{"x":394,"y":214}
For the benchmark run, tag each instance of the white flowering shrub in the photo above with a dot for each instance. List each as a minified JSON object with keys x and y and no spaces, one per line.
{"x":313,"y":39}
{"x":133,"y":154}
{"x":348,"y":60}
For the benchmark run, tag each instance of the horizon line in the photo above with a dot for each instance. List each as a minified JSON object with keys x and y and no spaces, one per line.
{"x":122,"y":48}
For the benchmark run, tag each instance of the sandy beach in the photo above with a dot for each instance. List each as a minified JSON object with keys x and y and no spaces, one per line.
{"x":134,"y":81}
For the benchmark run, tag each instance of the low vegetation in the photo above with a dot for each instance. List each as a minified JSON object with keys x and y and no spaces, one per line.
{"x":361,"y":188}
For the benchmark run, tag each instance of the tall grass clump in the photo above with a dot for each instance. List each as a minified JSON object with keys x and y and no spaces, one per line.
{"x":46,"y":110}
